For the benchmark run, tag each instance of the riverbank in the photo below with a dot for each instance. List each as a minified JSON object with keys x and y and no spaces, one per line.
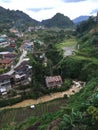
{"x":74,"y":89}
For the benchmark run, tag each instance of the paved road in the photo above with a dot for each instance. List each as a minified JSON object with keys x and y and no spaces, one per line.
{"x":24,"y":53}
{"x":21,"y":58}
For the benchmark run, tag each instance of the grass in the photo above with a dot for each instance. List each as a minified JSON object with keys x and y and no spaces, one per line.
{"x":89,"y":59}
{"x":67,"y":43}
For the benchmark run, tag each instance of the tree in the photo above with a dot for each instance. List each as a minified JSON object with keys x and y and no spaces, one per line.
{"x":71,"y":120}
{"x":53,"y":54}
{"x":86,"y":25}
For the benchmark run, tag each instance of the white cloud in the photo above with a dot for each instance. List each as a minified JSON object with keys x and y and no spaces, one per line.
{"x":44,"y":9}
{"x":73,"y":0}
{"x":6,"y":1}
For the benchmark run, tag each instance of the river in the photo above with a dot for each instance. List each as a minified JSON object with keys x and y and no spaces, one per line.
{"x":74,"y":89}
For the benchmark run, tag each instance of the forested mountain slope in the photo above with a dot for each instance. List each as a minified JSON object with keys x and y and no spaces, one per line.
{"x":59,"y":20}
{"x":17,"y":19}
{"x":20,"y":20}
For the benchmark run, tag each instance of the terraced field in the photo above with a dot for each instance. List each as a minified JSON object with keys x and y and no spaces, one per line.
{"x":11,"y":117}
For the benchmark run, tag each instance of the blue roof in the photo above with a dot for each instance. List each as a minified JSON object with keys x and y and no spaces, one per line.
{"x":2,"y":39}
{"x":96,"y":96}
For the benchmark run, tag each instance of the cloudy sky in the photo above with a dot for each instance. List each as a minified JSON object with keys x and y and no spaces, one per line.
{"x":44,"y":9}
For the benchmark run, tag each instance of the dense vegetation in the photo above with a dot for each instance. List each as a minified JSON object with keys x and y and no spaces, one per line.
{"x":81,"y":110}
{"x":17,"y":19}
{"x":59,"y":20}
{"x":21,"y":21}
{"x":81,"y":113}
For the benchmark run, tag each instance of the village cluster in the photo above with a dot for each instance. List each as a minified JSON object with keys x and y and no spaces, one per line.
{"x":18,"y":71}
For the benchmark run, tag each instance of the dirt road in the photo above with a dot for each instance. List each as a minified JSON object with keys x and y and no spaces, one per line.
{"x":72,"y":90}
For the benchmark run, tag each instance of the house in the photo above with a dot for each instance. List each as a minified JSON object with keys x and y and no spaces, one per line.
{"x":3,"y":53}
{"x":28,"y":45}
{"x":4,"y":36}
{"x":35,"y":28}
{"x":12,"y":45}
{"x":9,"y":56}
{"x":12,"y":42}
{"x":53,"y":81}
{"x":3,"y":42}
{"x":5,"y":83}
{"x":16,"y":32}
{"x":13,"y":30}
{"x":6,"y":63}
{"x":23,"y":73}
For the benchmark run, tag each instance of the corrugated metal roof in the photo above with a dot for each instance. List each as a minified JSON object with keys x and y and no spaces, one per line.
{"x":4,"y":77}
{"x":53,"y":78}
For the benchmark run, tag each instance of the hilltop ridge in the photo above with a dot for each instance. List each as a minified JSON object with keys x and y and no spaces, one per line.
{"x":19,"y":19}
{"x":58,"y":20}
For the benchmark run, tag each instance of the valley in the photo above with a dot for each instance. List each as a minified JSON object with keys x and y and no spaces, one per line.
{"x":52,"y":67}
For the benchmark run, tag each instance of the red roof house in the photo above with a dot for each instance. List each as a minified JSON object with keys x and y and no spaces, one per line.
{"x":53,"y":81}
{"x":6,"y":62}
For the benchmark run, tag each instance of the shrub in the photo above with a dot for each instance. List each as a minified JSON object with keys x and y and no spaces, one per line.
{"x":10,"y":101}
{"x":67,"y":83}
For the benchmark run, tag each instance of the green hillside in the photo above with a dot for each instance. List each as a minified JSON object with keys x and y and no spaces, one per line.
{"x":18,"y":19}
{"x":59,"y":20}
{"x":79,"y":111}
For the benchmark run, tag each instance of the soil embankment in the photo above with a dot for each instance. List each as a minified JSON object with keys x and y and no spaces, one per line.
{"x":74,"y":89}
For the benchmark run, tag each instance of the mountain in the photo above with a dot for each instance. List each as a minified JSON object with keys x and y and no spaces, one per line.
{"x":80,"y":19}
{"x":20,"y":20}
{"x":15,"y":18}
{"x":59,"y":20}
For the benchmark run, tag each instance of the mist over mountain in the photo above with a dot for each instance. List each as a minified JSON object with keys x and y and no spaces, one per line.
{"x":80,"y":19}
